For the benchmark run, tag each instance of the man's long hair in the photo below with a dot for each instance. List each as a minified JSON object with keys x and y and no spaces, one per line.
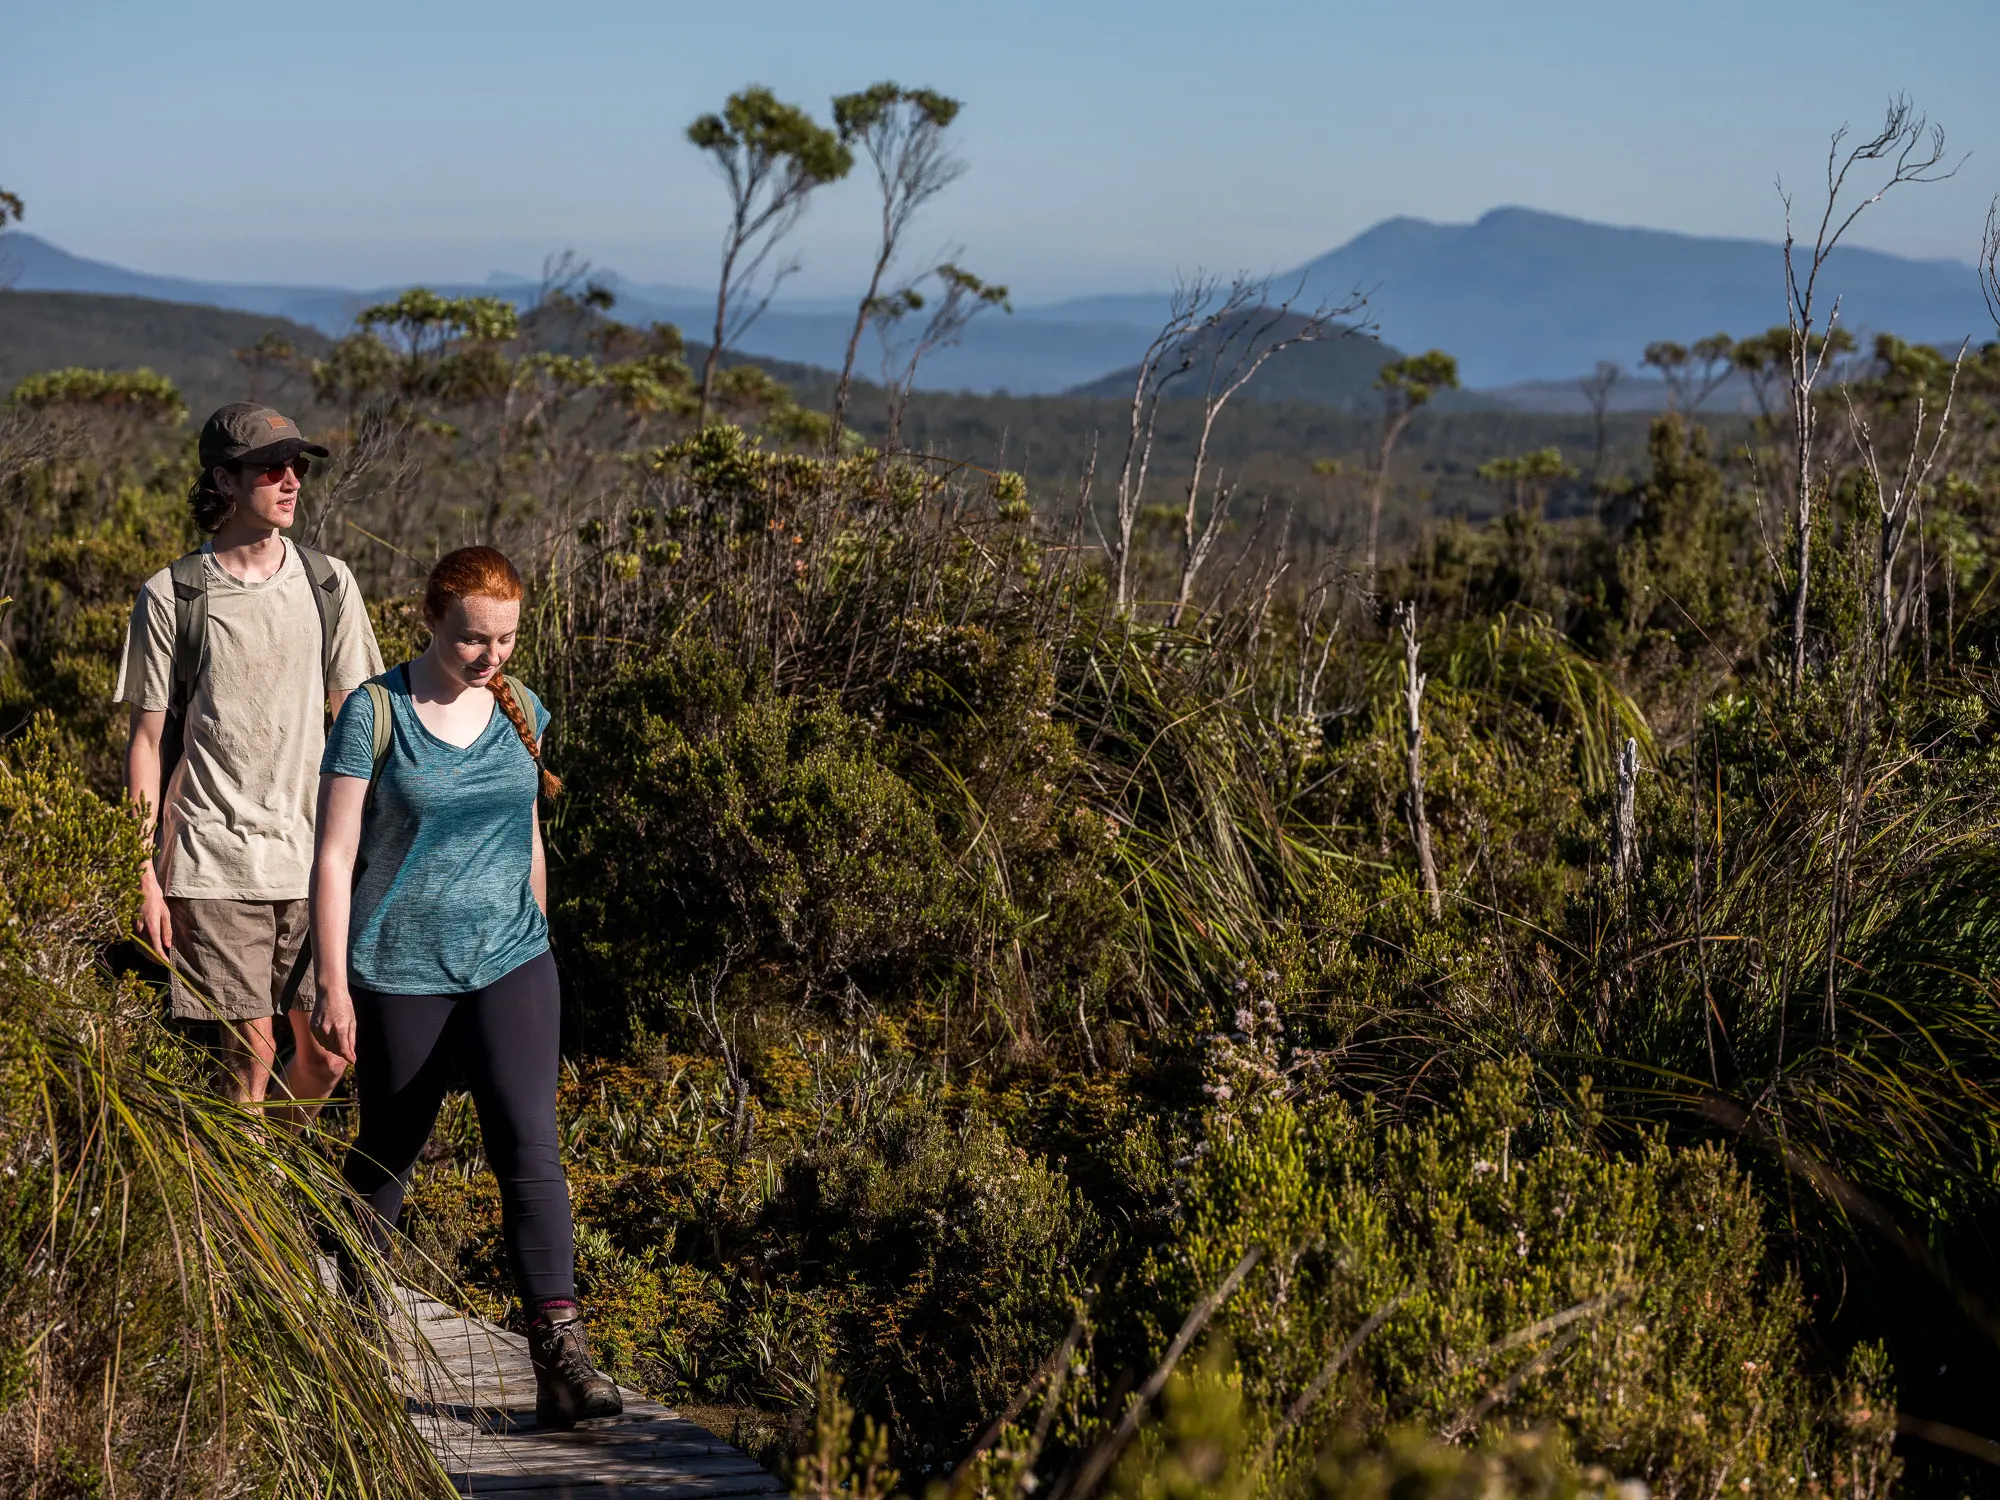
{"x":210,"y":506}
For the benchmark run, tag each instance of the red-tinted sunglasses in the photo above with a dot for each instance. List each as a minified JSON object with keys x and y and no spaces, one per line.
{"x":275,"y":474}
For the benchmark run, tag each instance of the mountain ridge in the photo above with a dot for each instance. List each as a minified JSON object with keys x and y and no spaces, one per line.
{"x":1519,"y":295}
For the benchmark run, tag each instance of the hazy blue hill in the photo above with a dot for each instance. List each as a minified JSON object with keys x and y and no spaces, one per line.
{"x":30,"y":263}
{"x":1522,"y":295}
{"x":189,"y":344}
{"x":1339,"y":371}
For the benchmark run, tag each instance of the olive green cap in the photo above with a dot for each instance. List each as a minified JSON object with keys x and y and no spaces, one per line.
{"x":245,"y":433}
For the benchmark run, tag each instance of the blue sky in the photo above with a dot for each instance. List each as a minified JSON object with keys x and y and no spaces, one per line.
{"x":1109,"y":143}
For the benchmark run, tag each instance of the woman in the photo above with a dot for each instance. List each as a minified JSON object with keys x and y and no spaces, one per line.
{"x":429,"y":902}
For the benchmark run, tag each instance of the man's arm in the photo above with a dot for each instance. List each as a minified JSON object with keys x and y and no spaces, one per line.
{"x":143,"y":791}
{"x":341,"y":801}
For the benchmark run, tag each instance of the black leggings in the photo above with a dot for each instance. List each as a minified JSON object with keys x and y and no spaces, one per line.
{"x":503,"y":1040}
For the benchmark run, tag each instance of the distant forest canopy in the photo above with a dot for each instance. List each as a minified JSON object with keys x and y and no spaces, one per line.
{"x":1301,"y":453}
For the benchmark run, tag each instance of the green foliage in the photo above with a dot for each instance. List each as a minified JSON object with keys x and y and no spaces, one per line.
{"x":756,"y":134}
{"x":842,"y":1464}
{"x":137,"y":393}
{"x":69,"y":860}
{"x":1511,"y":1239}
{"x":868,"y":114}
{"x":1412,"y":381}
{"x":722,"y":827}
{"x":85,"y":557}
{"x":962,"y":1257}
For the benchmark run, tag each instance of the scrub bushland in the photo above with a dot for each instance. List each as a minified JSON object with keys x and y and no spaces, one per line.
{"x":1003,"y":1022}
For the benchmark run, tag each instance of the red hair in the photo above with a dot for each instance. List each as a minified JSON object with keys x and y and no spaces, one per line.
{"x":484,"y":573}
{"x":469,"y":573}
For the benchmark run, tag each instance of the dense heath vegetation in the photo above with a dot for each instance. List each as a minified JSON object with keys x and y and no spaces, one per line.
{"x":1011,"y":1042}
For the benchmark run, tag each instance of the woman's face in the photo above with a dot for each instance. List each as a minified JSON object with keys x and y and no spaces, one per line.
{"x":475,"y":638}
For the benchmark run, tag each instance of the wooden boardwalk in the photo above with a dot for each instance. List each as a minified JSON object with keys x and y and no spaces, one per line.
{"x":474,"y":1402}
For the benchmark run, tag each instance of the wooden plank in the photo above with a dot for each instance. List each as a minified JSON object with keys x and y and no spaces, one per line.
{"x":471,"y":1393}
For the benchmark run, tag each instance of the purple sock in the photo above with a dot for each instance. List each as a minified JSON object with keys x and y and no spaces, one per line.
{"x":547,"y":1309}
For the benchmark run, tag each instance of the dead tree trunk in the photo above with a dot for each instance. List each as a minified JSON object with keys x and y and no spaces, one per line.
{"x":1413,"y":702}
{"x":1895,"y":503}
{"x":1624,"y":831}
{"x":1914,"y":148}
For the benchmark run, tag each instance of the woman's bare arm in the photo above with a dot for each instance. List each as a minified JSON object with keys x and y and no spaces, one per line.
{"x":341,"y":800}
{"x":538,"y":871}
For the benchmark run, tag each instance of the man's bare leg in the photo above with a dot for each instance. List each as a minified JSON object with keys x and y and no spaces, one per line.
{"x":312,"y":1074}
{"x":248,"y":1050}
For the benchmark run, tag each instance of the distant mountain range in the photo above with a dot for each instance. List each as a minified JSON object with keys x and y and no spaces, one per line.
{"x":1520,"y":297}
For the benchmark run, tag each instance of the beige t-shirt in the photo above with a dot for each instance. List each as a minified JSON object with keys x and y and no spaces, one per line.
{"x":238,"y":810}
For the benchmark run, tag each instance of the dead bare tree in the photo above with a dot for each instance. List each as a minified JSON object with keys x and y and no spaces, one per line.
{"x":1913,"y":147}
{"x":1246,"y":331}
{"x":902,"y":132}
{"x":1167,"y":358}
{"x":1989,"y":262}
{"x":1413,"y":703}
{"x":1896,"y":501}
{"x":1597,"y":387}
{"x":1624,"y":830}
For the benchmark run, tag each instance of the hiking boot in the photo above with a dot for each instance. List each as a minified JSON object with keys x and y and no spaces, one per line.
{"x":568,"y":1389}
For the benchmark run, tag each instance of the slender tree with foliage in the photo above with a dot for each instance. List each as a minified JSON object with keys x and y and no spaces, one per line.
{"x":902,"y":133}
{"x":1407,"y":386}
{"x":1528,"y":476}
{"x":963,"y":297}
{"x":11,"y":211}
{"x":1597,"y":387}
{"x":772,"y":155}
{"x":1692,"y":373}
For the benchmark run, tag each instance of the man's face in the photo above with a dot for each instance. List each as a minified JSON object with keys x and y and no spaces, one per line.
{"x":270,"y":493}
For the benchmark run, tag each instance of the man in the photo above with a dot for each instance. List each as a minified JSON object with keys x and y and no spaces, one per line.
{"x":235,"y":656}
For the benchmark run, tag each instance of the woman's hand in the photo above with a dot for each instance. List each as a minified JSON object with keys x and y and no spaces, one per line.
{"x":341,"y":800}
{"x":333,"y":1022}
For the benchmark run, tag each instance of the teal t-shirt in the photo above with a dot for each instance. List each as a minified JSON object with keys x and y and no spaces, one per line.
{"x":444,"y":904}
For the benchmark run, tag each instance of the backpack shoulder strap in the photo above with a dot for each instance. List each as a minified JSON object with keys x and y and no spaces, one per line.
{"x":385,"y":726}
{"x":190,"y":580}
{"x":520,"y":691}
{"x":326,"y":599}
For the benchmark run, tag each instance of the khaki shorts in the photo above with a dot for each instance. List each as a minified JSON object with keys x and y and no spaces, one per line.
{"x":232,"y":959}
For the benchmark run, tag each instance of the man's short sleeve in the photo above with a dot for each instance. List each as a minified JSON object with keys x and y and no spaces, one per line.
{"x":356,"y":657}
{"x":146,"y":670}
{"x":350,"y":747}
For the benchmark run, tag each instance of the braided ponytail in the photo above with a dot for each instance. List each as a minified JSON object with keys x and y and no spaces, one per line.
{"x":517,"y":716}
{"x":482,"y":572}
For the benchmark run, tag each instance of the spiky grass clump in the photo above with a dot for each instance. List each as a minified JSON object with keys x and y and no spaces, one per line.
{"x":165,"y":1325}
